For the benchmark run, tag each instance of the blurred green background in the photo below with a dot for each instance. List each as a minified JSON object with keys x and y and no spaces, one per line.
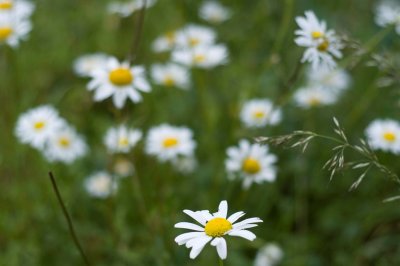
{"x":315,"y":221}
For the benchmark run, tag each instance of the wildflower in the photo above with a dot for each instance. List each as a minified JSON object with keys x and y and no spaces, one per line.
{"x":168,"y":143}
{"x":259,"y":113}
{"x":118,"y":80}
{"x":384,"y":134}
{"x":214,"y":12}
{"x":388,"y":13}
{"x":251,"y":162}
{"x":100,"y":185}
{"x":213,"y":228}
{"x":185,"y":164}
{"x":125,"y":9}
{"x":123,"y":167}
{"x":121,"y":139}
{"x":193,"y":36}
{"x":269,"y":255}
{"x":201,"y":56}
{"x":314,"y":96}
{"x":85,"y":64}
{"x":171,"y":75}
{"x":322,"y":44}
{"x":20,"y":9}
{"x":12,"y":31}
{"x":165,"y":42}
{"x":337,"y":79}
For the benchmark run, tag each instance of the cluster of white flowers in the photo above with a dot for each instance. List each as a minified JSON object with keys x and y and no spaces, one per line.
{"x":214,"y":12}
{"x":127,"y":8}
{"x":388,"y":13}
{"x":45,"y":130}
{"x":384,"y":134}
{"x":121,"y":139}
{"x":15,"y":21}
{"x":258,"y":113}
{"x":324,"y":87}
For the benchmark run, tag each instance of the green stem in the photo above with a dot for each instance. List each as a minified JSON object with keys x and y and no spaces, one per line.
{"x":221,"y":262}
{"x":137,"y":33}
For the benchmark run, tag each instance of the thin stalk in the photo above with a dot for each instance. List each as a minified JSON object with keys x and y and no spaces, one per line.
{"x":221,"y":262}
{"x":137,"y":33}
{"x":69,"y":220}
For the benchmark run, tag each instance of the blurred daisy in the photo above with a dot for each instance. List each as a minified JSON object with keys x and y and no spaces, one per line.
{"x":171,"y":75}
{"x":17,"y":8}
{"x":269,"y":255}
{"x":168,"y":143}
{"x":314,"y":96}
{"x":322,"y":44}
{"x":201,"y":56}
{"x":384,"y":135}
{"x":37,"y":125}
{"x":214,"y":12}
{"x":259,"y":113}
{"x":12,"y":31}
{"x":123,"y":167}
{"x":100,"y":185}
{"x":165,"y":42}
{"x":194,"y":35}
{"x":251,"y":162}
{"x":388,"y":13}
{"x":213,"y":227}
{"x":121,"y":139}
{"x":65,"y":146}
{"x":125,"y":9}
{"x":337,"y":79}
{"x":185,"y":164}
{"x":118,"y":80}
{"x":85,"y":64}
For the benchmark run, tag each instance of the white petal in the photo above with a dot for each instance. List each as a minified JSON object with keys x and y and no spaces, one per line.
{"x":196,"y":216}
{"x":183,"y":238}
{"x":243,"y":233}
{"x":248,"y":221}
{"x":222,"y":209}
{"x":190,"y":226}
{"x":221,"y":248}
{"x":199,"y":247}
{"x":234,"y":217}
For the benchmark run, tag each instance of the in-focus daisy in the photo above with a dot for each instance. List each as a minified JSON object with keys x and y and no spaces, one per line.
{"x":269,"y":255}
{"x":251,"y":162}
{"x":65,"y":146}
{"x":121,"y":139}
{"x":314,"y":96}
{"x":12,"y":31}
{"x":335,"y":79}
{"x":322,"y":44}
{"x":259,"y":113}
{"x":171,"y":75}
{"x":100,"y":185}
{"x":165,"y":42}
{"x":168,"y":143}
{"x":214,"y":12}
{"x":201,"y":56}
{"x":37,"y":125}
{"x":194,"y":35}
{"x":384,"y":134}
{"x":388,"y":13}
{"x":85,"y":64}
{"x":119,"y":80}
{"x":20,"y":9}
{"x":213,"y":227}
{"x":125,"y":9}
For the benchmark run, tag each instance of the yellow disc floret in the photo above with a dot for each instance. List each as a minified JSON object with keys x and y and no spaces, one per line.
{"x":199,"y":58}
{"x":194,"y":41}
{"x":121,"y":76}
{"x":123,"y":142}
{"x":251,"y":166}
{"x":323,"y":46}
{"x":217,"y":227}
{"x":259,"y":114}
{"x":64,"y":142}
{"x":5,"y":32}
{"x":169,"y":81}
{"x":39,"y":125}
{"x":389,"y":136}
{"x":6,"y":4}
{"x":317,"y":34}
{"x":170,"y":142}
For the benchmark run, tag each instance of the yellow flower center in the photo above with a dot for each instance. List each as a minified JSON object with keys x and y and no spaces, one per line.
{"x":170,"y":142}
{"x":314,"y":101}
{"x":39,"y":125}
{"x":389,"y":136}
{"x":193,"y":41}
{"x":64,"y":142}
{"x":317,"y":34}
{"x":323,"y":47}
{"x":169,"y":81}
{"x":251,"y":166}
{"x":6,"y":5}
{"x":170,"y":36}
{"x":121,"y":76}
{"x":199,"y":58}
{"x":217,"y":227}
{"x":5,"y":32}
{"x":123,"y":141}
{"x":258,"y":114}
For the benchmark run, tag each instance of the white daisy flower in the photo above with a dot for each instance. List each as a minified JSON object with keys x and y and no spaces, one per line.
{"x":214,"y":12}
{"x":121,"y":139}
{"x":168,"y":143}
{"x":337,"y":79}
{"x":259,"y":113}
{"x":18,"y":8}
{"x":201,"y":56}
{"x":171,"y":75}
{"x":125,"y":9}
{"x":269,"y":255}
{"x":314,"y":96}
{"x":388,"y":13}
{"x":118,"y":80}
{"x":165,"y":42}
{"x":100,"y":185}
{"x":65,"y":146}
{"x":123,"y":167}
{"x":85,"y":64}
{"x":194,"y":35}
{"x":322,"y":44}
{"x":384,"y":135}
{"x":37,"y":125}
{"x":251,"y":162}
{"x":213,"y":228}
{"x":12,"y":31}
{"x":185,"y":164}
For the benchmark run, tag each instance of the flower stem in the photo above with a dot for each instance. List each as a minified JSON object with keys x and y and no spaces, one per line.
{"x":137,"y":33}
{"x":221,"y":262}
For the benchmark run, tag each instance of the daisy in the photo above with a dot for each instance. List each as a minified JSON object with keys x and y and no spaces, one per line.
{"x":37,"y":125}
{"x":118,"y":80}
{"x":12,"y":31}
{"x":314,"y":96}
{"x":214,"y":12}
{"x":384,"y":134}
{"x":18,"y":8}
{"x":123,"y":167}
{"x":322,"y":44}
{"x":100,"y":185}
{"x":269,"y":255}
{"x":84,"y":65}
{"x":337,"y":79}
{"x":65,"y":146}
{"x":251,"y":162}
{"x":165,"y":42}
{"x":121,"y":139}
{"x":185,"y":164}
{"x":171,"y":75}
{"x":259,"y":113}
{"x":201,"y":56}
{"x":194,"y":35}
{"x":125,"y":9}
{"x":388,"y":13}
{"x":168,"y":143}
{"x":213,"y":228}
